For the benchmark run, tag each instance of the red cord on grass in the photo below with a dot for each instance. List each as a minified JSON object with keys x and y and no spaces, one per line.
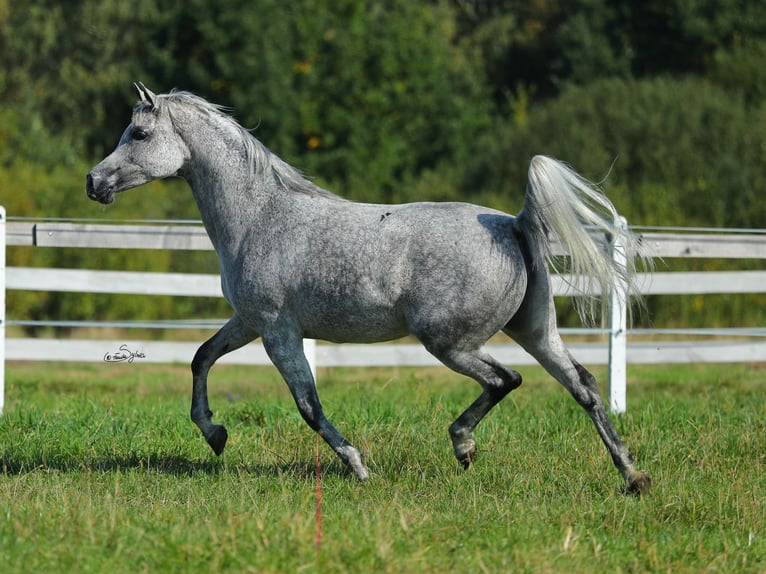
{"x":318,"y":515}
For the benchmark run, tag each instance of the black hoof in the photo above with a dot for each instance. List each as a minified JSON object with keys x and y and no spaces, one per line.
{"x":467,"y":460}
{"x":217,"y":440}
{"x":638,"y":484}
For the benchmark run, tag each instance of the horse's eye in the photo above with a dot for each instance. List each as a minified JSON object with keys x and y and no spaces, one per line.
{"x":139,"y":135}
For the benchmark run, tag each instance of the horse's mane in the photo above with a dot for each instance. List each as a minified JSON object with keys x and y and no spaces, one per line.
{"x":260,"y":158}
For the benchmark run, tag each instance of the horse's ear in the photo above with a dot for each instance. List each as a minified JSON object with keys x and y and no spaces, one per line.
{"x":145,"y":94}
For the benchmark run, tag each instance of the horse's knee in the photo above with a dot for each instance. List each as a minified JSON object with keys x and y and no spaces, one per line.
{"x":200,"y":362}
{"x":208,"y":353}
{"x":509,"y":380}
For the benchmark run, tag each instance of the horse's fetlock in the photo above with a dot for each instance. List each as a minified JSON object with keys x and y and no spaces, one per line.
{"x":465,"y":452}
{"x":463,"y":444}
{"x":201,"y":417}
{"x":459,"y":432}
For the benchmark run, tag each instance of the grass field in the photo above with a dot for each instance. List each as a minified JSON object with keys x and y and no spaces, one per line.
{"x":101,"y":470}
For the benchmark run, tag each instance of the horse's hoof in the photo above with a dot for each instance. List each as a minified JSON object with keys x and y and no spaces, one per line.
{"x":639,"y":484}
{"x":466,"y":461}
{"x":466,"y":458}
{"x":217,"y":440}
{"x":362,"y":474}
{"x":355,"y":460}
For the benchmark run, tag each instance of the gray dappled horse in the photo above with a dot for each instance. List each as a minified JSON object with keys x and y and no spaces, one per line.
{"x":298,"y":261}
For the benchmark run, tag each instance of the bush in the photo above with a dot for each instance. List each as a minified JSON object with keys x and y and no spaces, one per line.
{"x":681,"y":152}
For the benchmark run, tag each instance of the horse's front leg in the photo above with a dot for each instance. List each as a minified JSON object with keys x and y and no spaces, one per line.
{"x":233,"y":335}
{"x":286,"y":352}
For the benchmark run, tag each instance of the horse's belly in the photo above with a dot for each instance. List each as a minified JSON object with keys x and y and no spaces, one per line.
{"x":352,"y":323}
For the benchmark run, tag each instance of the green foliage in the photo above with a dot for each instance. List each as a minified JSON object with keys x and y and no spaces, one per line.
{"x":546,"y":46}
{"x":364,"y":96}
{"x":740,"y":70}
{"x":682,"y":152}
{"x":101,"y":470}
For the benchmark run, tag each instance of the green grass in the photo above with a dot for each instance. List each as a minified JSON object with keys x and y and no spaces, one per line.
{"x":101,"y":470}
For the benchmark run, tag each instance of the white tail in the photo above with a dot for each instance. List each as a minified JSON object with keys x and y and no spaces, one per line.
{"x":561,"y":201}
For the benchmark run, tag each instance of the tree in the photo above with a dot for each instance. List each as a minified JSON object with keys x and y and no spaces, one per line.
{"x":540,"y":48}
{"x":364,"y":95}
{"x":677,"y":152}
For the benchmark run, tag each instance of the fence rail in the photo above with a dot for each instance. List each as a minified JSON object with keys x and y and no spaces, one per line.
{"x":190,"y":236}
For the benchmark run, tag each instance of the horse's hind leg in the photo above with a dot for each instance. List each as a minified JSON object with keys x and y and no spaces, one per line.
{"x":496,"y":382}
{"x":286,"y":352}
{"x":549,"y":350}
{"x":233,"y":335}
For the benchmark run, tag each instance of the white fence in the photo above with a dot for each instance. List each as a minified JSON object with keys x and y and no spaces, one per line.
{"x":191,"y":236}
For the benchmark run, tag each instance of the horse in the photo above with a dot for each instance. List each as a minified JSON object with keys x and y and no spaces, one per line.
{"x":297,"y":261}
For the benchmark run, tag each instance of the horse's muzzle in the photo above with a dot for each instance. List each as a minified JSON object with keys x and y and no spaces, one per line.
{"x":95,"y":190}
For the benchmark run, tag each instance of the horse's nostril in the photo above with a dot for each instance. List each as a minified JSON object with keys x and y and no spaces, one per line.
{"x":89,"y":182}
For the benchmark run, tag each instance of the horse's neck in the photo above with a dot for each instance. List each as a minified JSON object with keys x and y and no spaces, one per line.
{"x":229,"y":198}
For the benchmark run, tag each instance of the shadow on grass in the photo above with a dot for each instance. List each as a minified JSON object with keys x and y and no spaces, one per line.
{"x":161,"y":463}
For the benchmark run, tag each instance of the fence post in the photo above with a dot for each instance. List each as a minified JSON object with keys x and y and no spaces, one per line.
{"x":618,"y":327}
{"x":2,"y":308}
{"x":310,"y":350}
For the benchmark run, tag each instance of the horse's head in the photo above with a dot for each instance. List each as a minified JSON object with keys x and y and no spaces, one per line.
{"x":150,"y":148}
